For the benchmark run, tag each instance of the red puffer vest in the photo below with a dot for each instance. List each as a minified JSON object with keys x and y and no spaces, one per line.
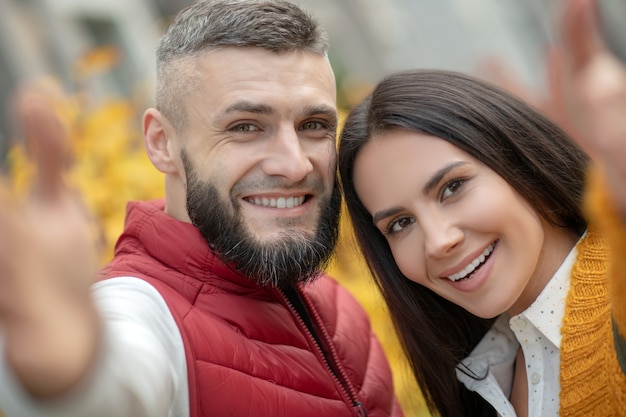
{"x":249,"y":352}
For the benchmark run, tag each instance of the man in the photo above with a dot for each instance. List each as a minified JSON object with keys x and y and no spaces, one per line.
{"x":213,"y":303}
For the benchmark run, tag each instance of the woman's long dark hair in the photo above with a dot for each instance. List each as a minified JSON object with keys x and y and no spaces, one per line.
{"x":532,"y":154}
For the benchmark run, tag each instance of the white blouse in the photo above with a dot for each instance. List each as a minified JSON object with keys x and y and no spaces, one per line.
{"x":488,"y":370}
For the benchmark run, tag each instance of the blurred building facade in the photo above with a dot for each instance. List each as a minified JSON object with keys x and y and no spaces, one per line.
{"x":369,"y":38}
{"x":54,"y":37}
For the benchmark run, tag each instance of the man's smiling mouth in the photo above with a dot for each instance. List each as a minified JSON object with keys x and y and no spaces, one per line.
{"x":279,"y":202}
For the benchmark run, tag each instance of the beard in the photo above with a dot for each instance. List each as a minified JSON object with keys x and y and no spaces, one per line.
{"x":294,"y":257}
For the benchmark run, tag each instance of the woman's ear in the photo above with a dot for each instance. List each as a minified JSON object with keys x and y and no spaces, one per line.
{"x":157,"y":134}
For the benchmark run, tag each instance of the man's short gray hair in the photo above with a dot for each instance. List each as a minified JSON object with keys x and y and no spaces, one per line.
{"x":275,"y":25}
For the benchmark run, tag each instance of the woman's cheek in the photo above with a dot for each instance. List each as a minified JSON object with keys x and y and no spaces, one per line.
{"x":410,"y":261}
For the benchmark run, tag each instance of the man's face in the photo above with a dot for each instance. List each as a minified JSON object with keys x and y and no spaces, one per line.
{"x":258,"y":153}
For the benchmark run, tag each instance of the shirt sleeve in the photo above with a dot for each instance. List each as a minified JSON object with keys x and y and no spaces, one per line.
{"x":140,"y":370}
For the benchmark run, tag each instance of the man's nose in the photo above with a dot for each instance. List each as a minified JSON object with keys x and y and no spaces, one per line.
{"x":286,"y":157}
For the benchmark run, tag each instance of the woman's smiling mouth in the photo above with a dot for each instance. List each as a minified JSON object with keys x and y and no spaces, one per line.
{"x":472,"y":266}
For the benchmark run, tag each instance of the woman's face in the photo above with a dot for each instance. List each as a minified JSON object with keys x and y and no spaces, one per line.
{"x":454,"y":225}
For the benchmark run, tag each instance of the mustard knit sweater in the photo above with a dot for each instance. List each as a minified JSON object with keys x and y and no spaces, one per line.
{"x":592,"y":381}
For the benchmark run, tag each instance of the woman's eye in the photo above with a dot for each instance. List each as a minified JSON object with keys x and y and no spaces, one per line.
{"x":451,"y":188}
{"x":399,"y":224}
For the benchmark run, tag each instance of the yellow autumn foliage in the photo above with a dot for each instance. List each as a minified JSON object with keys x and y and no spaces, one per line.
{"x":111,"y":168}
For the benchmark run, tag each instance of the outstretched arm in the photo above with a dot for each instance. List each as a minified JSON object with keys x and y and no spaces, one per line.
{"x":67,"y":347}
{"x":593,"y":90}
{"x":47,"y":261}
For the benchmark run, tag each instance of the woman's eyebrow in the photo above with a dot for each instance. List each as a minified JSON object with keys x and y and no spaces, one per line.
{"x":383,"y":214}
{"x":428,"y":187}
{"x":438,"y":176}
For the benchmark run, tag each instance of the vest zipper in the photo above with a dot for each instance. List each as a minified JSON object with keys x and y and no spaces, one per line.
{"x":337,"y":372}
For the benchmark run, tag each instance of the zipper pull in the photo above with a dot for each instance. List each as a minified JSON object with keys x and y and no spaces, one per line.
{"x":359,"y":409}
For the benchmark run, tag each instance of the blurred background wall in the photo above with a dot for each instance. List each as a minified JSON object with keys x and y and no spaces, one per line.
{"x":369,"y":38}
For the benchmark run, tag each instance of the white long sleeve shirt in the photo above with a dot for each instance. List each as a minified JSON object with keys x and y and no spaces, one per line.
{"x":141,"y":369}
{"x":538,"y":331}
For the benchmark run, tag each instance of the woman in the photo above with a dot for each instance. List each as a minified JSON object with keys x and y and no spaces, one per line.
{"x":466,"y":203}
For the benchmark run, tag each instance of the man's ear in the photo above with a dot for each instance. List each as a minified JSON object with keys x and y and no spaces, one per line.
{"x":157,"y":135}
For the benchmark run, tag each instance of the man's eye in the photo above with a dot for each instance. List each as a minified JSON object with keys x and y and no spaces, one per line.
{"x":244,"y":127}
{"x":314,"y":125}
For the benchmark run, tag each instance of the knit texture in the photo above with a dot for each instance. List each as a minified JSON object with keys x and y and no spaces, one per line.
{"x":613,"y":227}
{"x":592,"y":382}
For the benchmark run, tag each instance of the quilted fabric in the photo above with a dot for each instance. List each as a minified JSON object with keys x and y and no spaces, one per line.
{"x":248,"y":351}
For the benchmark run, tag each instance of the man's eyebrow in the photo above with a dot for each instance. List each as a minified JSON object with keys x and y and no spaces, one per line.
{"x":324,"y":110}
{"x":258,"y":108}
{"x":249,"y":107}
{"x":437,"y":176}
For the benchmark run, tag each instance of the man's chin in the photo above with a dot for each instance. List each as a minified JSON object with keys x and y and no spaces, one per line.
{"x":277,"y":235}
{"x":283,"y":260}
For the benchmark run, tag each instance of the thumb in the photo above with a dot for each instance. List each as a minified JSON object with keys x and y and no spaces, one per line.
{"x":579,"y":31}
{"x":46,"y":137}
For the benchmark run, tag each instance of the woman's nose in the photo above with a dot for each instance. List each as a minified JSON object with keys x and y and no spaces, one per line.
{"x":441,"y":236}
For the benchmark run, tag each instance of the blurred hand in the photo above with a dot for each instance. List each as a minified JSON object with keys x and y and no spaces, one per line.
{"x":590,"y":83}
{"x":586,"y":94}
{"x":48,"y":258}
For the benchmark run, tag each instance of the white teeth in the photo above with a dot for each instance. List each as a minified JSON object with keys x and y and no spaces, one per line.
{"x":472,"y":265}
{"x":280,"y":202}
